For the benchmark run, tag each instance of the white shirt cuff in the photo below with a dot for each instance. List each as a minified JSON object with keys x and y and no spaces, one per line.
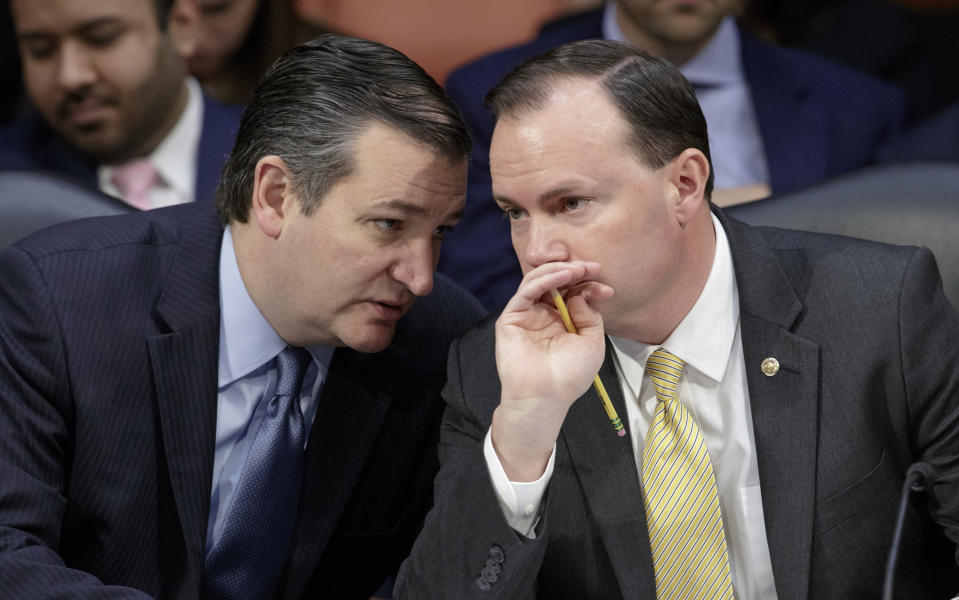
{"x":519,"y":501}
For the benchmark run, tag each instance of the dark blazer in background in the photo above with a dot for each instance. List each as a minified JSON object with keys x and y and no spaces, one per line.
{"x":817,"y":119}
{"x":868,"y":384}
{"x":109,"y":334}
{"x":31,"y":144}
{"x":935,"y":138}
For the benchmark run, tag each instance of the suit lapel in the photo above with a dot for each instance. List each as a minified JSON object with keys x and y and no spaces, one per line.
{"x":793,"y":133}
{"x":354,"y":403}
{"x":606,"y":468}
{"x":184,"y":363}
{"x":784,"y":406}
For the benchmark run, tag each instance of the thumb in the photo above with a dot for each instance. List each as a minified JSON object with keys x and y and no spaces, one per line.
{"x":586,"y":318}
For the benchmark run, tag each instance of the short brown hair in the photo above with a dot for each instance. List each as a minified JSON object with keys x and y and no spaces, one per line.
{"x":654,"y":98}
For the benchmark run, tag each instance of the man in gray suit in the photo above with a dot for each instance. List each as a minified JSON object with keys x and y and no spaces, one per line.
{"x":812,"y":371}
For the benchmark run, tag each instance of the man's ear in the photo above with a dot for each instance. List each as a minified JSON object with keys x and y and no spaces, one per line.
{"x":688,"y":174}
{"x":273,"y":196}
{"x":183,"y":24}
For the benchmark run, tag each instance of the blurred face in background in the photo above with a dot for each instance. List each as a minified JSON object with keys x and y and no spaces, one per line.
{"x":658,"y":25}
{"x":223,"y":27}
{"x":102,"y":72}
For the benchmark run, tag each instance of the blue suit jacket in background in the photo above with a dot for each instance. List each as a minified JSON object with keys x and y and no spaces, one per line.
{"x":817,"y":119}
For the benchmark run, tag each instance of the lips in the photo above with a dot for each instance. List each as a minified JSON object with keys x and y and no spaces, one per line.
{"x":84,"y":111}
{"x":389,"y":310}
{"x":87,"y":116}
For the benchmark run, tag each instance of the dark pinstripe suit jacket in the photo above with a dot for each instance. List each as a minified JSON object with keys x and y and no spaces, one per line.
{"x":869,"y":383}
{"x":108,"y":360}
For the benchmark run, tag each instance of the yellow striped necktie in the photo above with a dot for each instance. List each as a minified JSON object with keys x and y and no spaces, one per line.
{"x":682,"y":505}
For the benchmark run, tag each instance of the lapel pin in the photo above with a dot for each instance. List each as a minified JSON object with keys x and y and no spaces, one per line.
{"x":770,"y":366}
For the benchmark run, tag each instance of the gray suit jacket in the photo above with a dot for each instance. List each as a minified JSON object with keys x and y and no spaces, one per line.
{"x":869,"y":383}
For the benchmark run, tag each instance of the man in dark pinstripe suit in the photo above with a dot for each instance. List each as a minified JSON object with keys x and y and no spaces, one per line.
{"x":134,"y":351}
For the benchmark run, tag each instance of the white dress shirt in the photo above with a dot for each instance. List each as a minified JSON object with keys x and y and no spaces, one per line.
{"x":246,"y":375}
{"x":175,"y":158}
{"x":735,"y":142}
{"x":715,"y":392}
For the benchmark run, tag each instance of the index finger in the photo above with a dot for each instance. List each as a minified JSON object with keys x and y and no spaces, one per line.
{"x":541,"y":280}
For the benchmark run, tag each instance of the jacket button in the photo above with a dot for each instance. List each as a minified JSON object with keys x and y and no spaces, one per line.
{"x":488,"y":574}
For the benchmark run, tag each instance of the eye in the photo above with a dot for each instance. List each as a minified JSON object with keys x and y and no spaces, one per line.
{"x":102,"y":40}
{"x":574,"y":203}
{"x":103,"y":35}
{"x":214,"y":8}
{"x":513,"y":214}
{"x":38,"y":49}
{"x":441,"y":231}
{"x":387,"y":225}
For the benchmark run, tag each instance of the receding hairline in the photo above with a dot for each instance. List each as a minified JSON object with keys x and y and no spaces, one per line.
{"x":543,"y":96}
{"x":651,"y":96}
{"x":540,"y":78}
{"x":539,"y":95}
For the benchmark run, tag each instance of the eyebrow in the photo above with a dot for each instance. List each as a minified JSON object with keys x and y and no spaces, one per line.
{"x":82,"y":28}
{"x":544,"y":197}
{"x":414,"y":210}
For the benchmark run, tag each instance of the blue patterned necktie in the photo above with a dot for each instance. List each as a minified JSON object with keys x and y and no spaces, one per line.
{"x":246,"y":560}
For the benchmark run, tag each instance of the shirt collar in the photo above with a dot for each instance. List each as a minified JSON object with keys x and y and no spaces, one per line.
{"x":704,"y":338}
{"x":719,"y":62}
{"x":176,"y":156}
{"x":611,"y":29}
{"x":247,"y":340}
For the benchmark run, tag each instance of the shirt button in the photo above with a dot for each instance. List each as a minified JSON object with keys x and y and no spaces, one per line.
{"x":529,"y":510}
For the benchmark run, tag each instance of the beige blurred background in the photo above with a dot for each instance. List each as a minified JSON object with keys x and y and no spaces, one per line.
{"x":439,"y":34}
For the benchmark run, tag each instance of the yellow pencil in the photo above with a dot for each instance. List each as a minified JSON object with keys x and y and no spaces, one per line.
{"x":607,"y":403}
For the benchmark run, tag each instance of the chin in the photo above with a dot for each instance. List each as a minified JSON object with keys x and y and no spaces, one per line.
{"x":102,"y":148}
{"x":372,"y":338}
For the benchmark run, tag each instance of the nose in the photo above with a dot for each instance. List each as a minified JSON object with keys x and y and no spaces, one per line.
{"x":541,"y":243}
{"x":414,"y":268}
{"x":75,"y":68}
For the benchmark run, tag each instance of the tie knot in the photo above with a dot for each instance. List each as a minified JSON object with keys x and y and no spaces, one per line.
{"x":664,"y":370}
{"x":291,"y":366}
{"x":134,"y":180}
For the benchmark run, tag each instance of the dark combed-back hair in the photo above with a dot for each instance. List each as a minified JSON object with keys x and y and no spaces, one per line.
{"x":654,"y":98}
{"x":315,"y":101}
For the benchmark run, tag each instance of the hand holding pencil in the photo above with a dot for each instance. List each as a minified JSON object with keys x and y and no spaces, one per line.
{"x":544,"y":367}
{"x":597,"y":382}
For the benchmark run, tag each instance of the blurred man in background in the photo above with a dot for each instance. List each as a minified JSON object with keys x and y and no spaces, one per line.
{"x":116,"y":107}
